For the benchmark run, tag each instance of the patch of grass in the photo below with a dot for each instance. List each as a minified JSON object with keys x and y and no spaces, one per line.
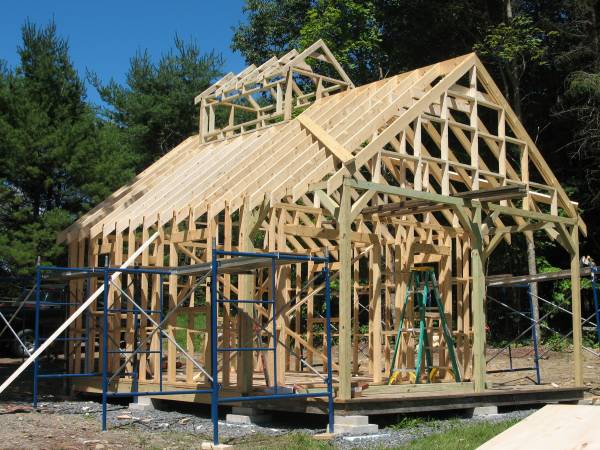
{"x":290,"y":441}
{"x":407,"y":423}
{"x":461,"y":438}
{"x":557,"y":343}
{"x":414,"y":422}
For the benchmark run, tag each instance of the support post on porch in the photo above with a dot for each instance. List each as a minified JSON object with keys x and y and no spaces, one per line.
{"x":245,"y":368}
{"x":478,"y":303}
{"x":576,"y":306}
{"x":375,"y":312}
{"x":345,"y":299}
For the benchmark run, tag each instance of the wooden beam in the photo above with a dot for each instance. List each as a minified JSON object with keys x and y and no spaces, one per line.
{"x":375,"y":312}
{"x":576,"y":307}
{"x":509,"y":280}
{"x":478,"y":304}
{"x":246,"y":283}
{"x":330,"y":234}
{"x":452,"y":200}
{"x":325,"y":138}
{"x":345,"y":299}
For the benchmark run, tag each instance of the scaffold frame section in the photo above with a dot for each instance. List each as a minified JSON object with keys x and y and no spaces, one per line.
{"x":235,"y":262}
{"x":275,"y":259}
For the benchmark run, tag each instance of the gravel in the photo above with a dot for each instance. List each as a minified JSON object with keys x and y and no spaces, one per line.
{"x":171,"y":420}
{"x":179,"y":419}
{"x":391,"y":436}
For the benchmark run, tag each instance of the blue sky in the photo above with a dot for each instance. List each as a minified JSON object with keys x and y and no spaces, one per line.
{"x":103,"y":35}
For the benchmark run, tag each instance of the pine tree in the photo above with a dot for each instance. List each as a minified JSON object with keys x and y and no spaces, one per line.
{"x":155,"y":110}
{"x":55,"y":161}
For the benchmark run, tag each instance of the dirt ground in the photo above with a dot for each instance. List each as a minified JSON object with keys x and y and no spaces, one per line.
{"x":77,"y":426}
{"x":38,"y":430}
{"x":556,"y":368}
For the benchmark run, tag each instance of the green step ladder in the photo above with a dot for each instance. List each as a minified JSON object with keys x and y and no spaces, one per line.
{"x":423,"y":284}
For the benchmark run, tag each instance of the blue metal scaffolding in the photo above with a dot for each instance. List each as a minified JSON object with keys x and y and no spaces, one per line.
{"x":553,"y":307}
{"x":221,"y":260}
{"x":275,"y":259}
{"x":534,"y":338}
{"x":39,"y":304}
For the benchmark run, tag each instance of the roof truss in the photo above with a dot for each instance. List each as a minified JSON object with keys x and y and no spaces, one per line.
{"x":444,"y":129}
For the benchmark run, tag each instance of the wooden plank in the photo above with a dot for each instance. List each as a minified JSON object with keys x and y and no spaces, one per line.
{"x":507,"y":280}
{"x":553,"y":426}
{"x":399,"y":389}
{"x":322,"y":136}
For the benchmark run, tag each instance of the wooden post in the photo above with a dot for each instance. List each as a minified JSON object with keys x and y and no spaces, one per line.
{"x":466,"y":307}
{"x":159,"y":256}
{"x":375,"y":312}
{"x":282,"y":296}
{"x":212,"y":227}
{"x":173,"y":284}
{"x":445,"y":283}
{"x":478,"y":302}
{"x":93,"y":332}
{"x":144,"y":296}
{"x":202,"y":120}
{"x":356,"y":291}
{"x":115,"y":319}
{"x":345,"y":299}
{"x":576,"y":306}
{"x":246,"y":283}
{"x":289,"y":96}
{"x":74,"y":331}
{"x":227,"y":235}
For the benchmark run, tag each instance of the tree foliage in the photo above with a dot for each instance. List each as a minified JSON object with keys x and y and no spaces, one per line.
{"x":155,"y":110}
{"x":351,"y":29}
{"x":517,"y":40}
{"x":272,"y":27}
{"x":58,"y":158}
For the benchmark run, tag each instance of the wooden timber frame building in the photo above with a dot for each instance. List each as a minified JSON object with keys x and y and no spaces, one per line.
{"x":428,"y":167}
